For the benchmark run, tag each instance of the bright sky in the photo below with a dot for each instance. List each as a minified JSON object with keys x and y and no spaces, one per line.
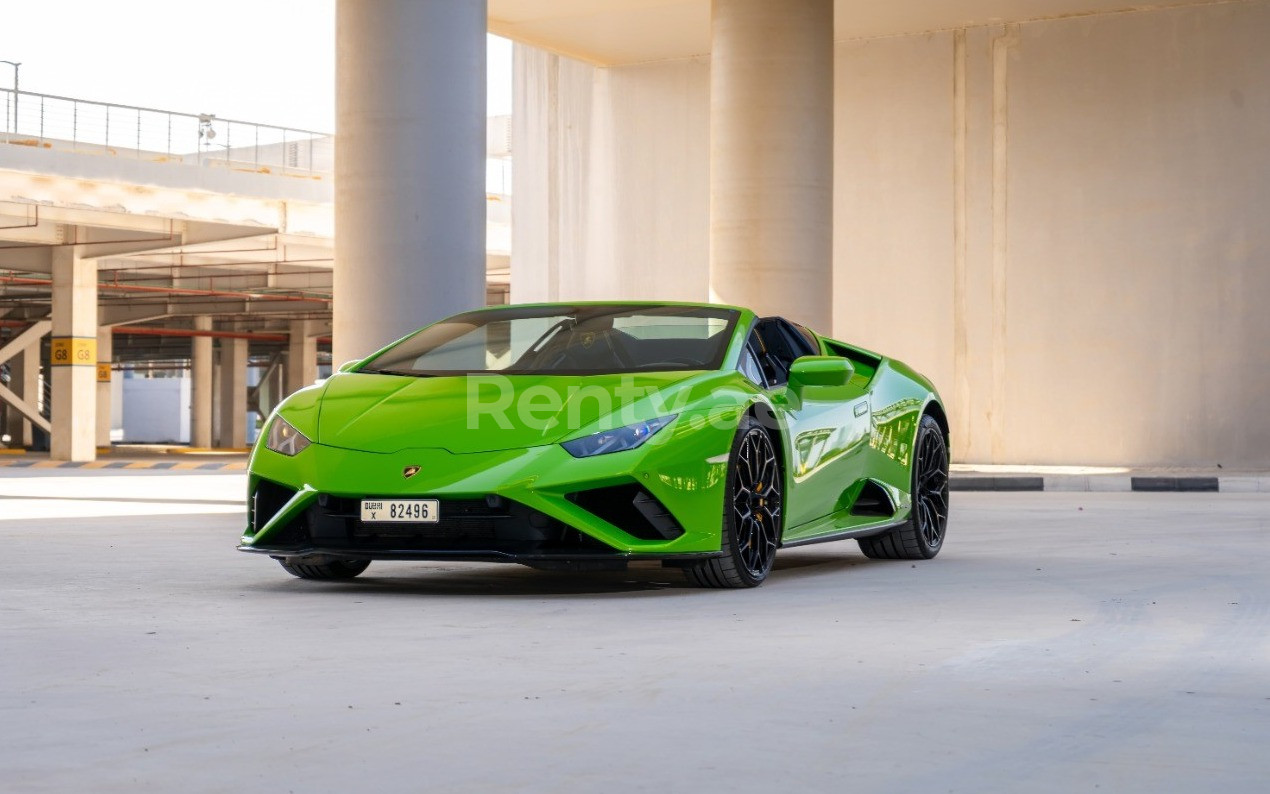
{"x":267,"y":61}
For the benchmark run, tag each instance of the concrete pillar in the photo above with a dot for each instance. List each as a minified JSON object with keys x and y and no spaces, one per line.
{"x":409,"y":167}
{"x":771,"y":157}
{"x":105,"y":350}
{"x":201,"y":385}
{"x":278,"y":385}
{"x":74,"y":356}
{"x":233,"y":396}
{"x":14,"y":424}
{"x":301,"y":356}
{"x":24,"y":381}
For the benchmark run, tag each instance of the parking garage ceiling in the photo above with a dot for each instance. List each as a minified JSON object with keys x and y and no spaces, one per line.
{"x":618,"y":32}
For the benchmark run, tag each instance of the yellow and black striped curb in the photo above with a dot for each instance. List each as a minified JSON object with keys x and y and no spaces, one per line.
{"x":1112,"y":483}
{"x":163,"y":465}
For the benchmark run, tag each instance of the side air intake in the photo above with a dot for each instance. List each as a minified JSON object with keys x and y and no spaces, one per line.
{"x":268,"y":499}
{"x":631,"y":509}
{"x":873,"y":500}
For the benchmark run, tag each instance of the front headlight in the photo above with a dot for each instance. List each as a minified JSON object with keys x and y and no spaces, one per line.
{"x":618,"y":440}
{"x":285,"y":439}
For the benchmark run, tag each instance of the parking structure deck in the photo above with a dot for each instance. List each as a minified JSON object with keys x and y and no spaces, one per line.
{"x":1061,"y":642}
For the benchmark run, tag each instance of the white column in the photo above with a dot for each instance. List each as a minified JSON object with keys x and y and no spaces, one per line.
{"x":201,"y":386}
{"x":30,"y":388}
{"x":14,"y":424}
{"x":278,"y":384}
{"x":74,"y":356}
{"x":409,"y":167}
{"x":771,"y":162}
{"x":301,"y":356}
{"x":233,"y":396}
{"x":105,"y":351}
{"x":24,"y":381}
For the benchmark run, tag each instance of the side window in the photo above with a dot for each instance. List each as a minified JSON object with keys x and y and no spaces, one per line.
{"x":779,"y":344}
{"x":749,"y":365}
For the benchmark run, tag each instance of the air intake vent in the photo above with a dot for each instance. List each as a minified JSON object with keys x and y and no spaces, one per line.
{"x":631,"y":509}
{"x":268,"y":499}
{"x":873,"y":501}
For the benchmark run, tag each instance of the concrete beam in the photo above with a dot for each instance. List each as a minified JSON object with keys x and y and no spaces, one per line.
{"x":29,"y":411}
{"x":22,"y":231}
{"x":122,"y":315}
{"x":24,"y":383}
{"x":27,"y":260}
{"x":202,"y":232}
{"x":126,"y":315}
{"x":24,"y":340}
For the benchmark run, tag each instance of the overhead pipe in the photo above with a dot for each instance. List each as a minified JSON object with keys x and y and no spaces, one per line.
{"x":23,"y":280}
{"x":274,"y":263}
{"x":140,"y":330}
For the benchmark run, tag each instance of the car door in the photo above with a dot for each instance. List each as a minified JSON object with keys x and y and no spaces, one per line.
{"x":828,"y":429}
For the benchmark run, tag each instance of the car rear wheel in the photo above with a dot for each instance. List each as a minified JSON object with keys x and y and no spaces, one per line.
{"x":751,"y":513}
{"x":333,"y":569}
{"x":922,"y":536}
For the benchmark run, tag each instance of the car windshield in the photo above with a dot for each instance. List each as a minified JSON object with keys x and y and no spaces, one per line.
{"x":565,"y":340}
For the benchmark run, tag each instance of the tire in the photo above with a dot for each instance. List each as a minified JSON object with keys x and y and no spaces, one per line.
{"x":922,"y":536}
{"x":752,"y":515}
{"x":335,"y":569}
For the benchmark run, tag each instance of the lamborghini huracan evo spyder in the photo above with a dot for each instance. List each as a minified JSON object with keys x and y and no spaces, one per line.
{"x":584,"y":436}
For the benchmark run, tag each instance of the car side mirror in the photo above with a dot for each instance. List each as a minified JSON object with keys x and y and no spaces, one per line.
{"x":349,"y":365}
{"x":820,"y":371}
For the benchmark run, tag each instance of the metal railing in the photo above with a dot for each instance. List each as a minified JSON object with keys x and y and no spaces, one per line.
{"x":57,"y":122}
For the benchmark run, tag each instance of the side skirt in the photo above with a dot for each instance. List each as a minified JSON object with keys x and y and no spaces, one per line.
{"x":846,"y":534}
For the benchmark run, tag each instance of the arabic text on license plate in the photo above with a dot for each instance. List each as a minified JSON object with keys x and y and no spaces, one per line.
{"x":406,"y":511}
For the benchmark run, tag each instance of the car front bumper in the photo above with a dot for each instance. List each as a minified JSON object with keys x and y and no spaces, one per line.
{"x":536,"y":505}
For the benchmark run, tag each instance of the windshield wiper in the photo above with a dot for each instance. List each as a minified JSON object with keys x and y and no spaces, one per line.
{"x":404,"y":372}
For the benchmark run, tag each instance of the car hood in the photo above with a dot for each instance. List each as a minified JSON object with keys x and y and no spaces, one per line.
{"x":388,"y":413}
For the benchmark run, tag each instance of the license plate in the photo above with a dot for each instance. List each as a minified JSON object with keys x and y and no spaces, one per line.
{"x":401,"y":511}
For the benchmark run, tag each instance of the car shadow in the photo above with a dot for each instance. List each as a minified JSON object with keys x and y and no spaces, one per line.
{"x":817,"y":561}
{"x":514,"y":581}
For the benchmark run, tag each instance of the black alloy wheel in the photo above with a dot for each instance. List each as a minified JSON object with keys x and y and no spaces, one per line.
{"x":930,"y":488}
{"x":756,"y":503}
{"x":752,"y":516}
{"x":922,"y":536}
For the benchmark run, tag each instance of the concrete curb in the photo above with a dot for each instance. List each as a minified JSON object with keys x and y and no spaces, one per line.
{"x":169,"y":465}
{"x":1234,"y":483}
{"x":958,"y":481}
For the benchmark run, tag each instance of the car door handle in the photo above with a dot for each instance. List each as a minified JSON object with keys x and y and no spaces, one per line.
{"x":861,"y":409}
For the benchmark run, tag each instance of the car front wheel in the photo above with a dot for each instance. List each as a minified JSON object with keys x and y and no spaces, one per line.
{"x":751,"y":513}
{"x":331,"y":569}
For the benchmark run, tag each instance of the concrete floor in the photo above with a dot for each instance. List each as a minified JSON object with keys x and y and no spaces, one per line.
{"x":1062,"y":642}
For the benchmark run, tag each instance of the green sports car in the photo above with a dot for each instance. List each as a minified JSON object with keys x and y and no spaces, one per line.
{"x":583,"y":436}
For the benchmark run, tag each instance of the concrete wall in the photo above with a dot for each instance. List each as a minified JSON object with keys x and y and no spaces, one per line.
{"x":614,"y":169}
{"x":1059,"y":221}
